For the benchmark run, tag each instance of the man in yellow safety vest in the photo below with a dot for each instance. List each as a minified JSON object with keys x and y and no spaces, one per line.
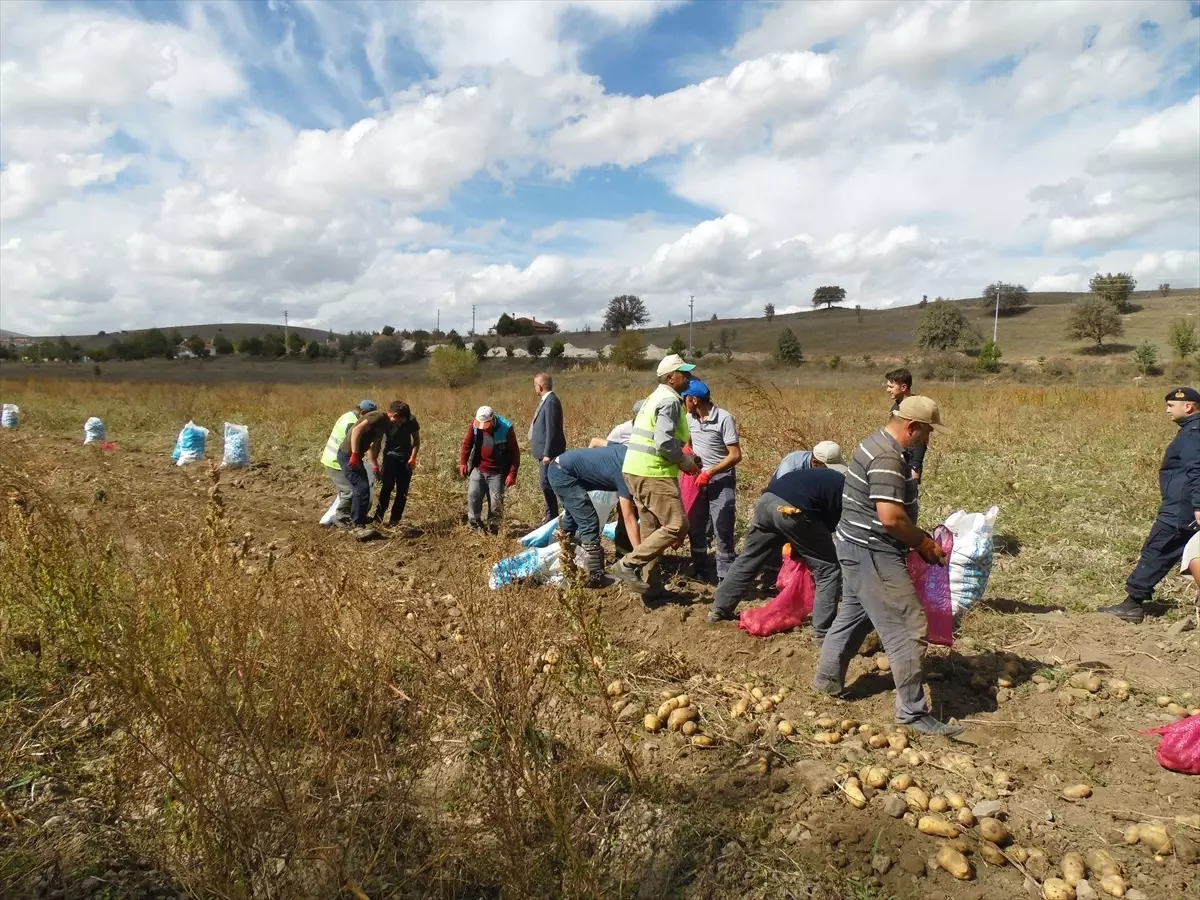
{"x":651,"y":470}
{"x":339,"y":512}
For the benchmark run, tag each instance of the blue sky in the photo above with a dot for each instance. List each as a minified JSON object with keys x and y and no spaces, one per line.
{"x":165,"y":162}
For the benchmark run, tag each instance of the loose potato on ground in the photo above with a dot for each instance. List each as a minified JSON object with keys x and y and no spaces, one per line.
{"x":937,"y":827}
{"x":992,"y":854}
{"x":1101,"y":862}
{"x":1073,"y":868}
{"x":1077,"y":792}
{"x":993,"y":830}
{"x":1057,"y":889}
{"x":955,"y":863}
{"x":652,"y":723}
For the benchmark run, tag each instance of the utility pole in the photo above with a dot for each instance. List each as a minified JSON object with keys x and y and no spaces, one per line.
{"x":285,"y":334}
{"x":996,"y":320}
{"x":691,"y":319}
{"x":438,"y":328}
{"x":472,"y":319}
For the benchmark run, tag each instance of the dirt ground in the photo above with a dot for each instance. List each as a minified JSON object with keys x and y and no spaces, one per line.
{"x":1028,"y":738}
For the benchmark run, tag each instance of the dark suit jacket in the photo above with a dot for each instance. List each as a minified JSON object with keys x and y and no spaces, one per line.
{"x":548,"y":437}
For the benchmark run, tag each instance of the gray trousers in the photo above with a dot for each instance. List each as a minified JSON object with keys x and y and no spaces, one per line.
{"x":480,"y":486}
{"x":810,"y":540}
{"x":878,"y":593}
{"x":344,"y":492}
{"x":714,"y":505}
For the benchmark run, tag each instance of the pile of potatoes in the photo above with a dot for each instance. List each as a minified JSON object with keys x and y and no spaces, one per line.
{"x":1177,"y":709}
{"x":755,"y":701}
{"x":677,"y":713}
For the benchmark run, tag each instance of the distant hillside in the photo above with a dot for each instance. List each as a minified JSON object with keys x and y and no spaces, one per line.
{"x":234,"y":331}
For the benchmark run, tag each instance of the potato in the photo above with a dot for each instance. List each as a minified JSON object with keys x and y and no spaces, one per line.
{"x":652,"y":723}
{"x":993,"y":830}
{"x":962,"y":844}
{"x":1086,"y":681}
{"x":937,"y":827}
{"x":757,"y":693}
{"x":867,"y":729}
{"x":965,"y":817}
{"x":1176,"y":710}
{"x":1156,"y":838}
{"x":938,"y":804}
{"x":1164,"y":701}
{"x":847,"y":725}
{"x":679,"y":716}
{"x":854,"y":793}
{"x":828,"y":737}
{"x":1073,"y":867}
{"x":786,"y":728}
{"x":898,"y":741}
{"x":1119,"y":685}
{"x":1057,"y":889}
{"x":615,"y":689}
{"x":702,"y":740}
{"x":901,"y":783}
{"x":955,"y":863}
{"x":917,"y":798}
{"x":1101,"y":862}
{"x":619,"y":704}
{"x":825,"y":723}
{"x":1002,"y":780}
{"x":687,"y":729}
{"x":1077,"y":792}
{"x":551,"y":657}
{"x":1018,"y":854}
{"x":683,"y":700}
{"x":1133,"y":834}
{"x":911,"y":757}
{"x":992,"y":855}
{"x":1037,"y":864}
{"x":876,"y":776}
{"x":877,"y":741}
{"x":668,"y":707}
{"x":1005,"y":683}
{"x":667,"y":695}
{"x":882,"y":664}
{"x":955,"y":799}
{"x":1113,"y":884}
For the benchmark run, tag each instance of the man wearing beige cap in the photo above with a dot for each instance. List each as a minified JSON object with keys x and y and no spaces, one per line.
{"x":824,"y":454}
{"x":874,"y":535}
{"x":651,"y":470}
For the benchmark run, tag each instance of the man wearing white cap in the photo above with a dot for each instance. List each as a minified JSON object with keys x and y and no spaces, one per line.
{"x":489,"y":457}
{"x":651,"y":469}
{"x":824,"y":454}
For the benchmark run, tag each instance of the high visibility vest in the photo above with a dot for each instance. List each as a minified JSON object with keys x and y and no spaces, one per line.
{"x":643,"y":458}
{"x":340,"y":429}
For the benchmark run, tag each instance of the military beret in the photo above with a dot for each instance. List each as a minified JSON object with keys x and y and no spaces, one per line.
{"x":1186,"y":394}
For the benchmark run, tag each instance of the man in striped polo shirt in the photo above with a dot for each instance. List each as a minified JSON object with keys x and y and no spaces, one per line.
{"x":874,"y":535}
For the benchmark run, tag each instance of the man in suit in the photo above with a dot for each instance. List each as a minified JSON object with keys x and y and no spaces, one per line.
{"x":546,"y":437}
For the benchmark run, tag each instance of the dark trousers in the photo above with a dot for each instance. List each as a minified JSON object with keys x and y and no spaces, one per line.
{"x":579,"y":515}
{"x":810,"y":540}
{"x":547,"y":491}
{"x":397,"y":476}
{"x":360,"y":490}
{"x":1160,"y":554}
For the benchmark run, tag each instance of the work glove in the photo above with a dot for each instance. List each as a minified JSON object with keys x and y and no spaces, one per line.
{"x":703,"y":478}
{"x":511,"y":479}
{"x":355,"y":461}
{"x":412,"y":463}
{"x":462,"y":470}
{"x":375,"y":468}
{"x":931,"y":552}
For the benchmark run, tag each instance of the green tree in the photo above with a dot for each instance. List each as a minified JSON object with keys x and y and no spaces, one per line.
{"x":557,"y":349}
{"x":787,"y":348}
{"x":453,"y":366}
{"x":827,"y":295}
{"x":250,"y":346}
{"x":1146,"y":357}
{"x":769,"y":311}
{"x":989,"y":357}
{"x":386,"y":351}
{"x":312,"y":350}
{"x":625,"y":311}
{"x":1116,"y":289}
{"x":1094,"y":318}
{"x":222,"y":345}
{"x":196,"y":345}
{"x":273,"y":345}
{"x":629,"y":352}
{"x":480,"y":348}
{"x":295,"y":343}
{"x":387,"y":331}
{"x":176,"y":337}
{"x":1165,"y":289}
{"x":678,"y":346}
{"x":506,"y":326}
{"x":154,"y":343}
{"x":536,"y":347}
{"x":1013,"y":298}
{"x":551,"y":326}
{"x":944,"y":326}
{"x":419,"y":350}
{"x":1182,"y":338}
{"x":509,"y":353}
{"x":454,"y":339}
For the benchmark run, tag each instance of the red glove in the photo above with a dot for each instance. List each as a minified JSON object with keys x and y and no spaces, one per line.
{"x":703,"y":478}
{"x":355,"y":461}
{"x":511,"y":479}
{"x":462,"y":470}
{"x":376,"y":470}
{"x":412,"y":463}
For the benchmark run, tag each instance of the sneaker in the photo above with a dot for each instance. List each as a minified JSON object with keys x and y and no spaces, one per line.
{"x":628,"y":574}
{"x":930,"y":725}
{"x":716,"y":616}
{"x":825,"y":686}
{"x":598,"y":581}
{"x":1128,"y":610}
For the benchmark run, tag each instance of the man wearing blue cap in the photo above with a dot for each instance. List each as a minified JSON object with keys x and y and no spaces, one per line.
{"x":716,"y":445}
{"x":339,"y":512}
{"x":1179,"y":513}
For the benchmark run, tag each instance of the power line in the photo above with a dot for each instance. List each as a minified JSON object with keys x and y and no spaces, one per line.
{"x":691,"y":320}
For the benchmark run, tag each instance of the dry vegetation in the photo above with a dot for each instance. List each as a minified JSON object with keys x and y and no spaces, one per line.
{"x":205,"y":692}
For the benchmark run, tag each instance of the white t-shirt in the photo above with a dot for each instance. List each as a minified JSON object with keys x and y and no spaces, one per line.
{"x":1190,"y":552}
{"x":621,"y":434}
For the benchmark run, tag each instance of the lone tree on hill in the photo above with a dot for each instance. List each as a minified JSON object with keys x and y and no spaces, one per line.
{"x":944,"y":326}
{"x":769,"y":311}
{"x":387,"y":331}
{"x":1013,"y":298}
{"x":557,"y":349}
{"x":828,"y":295}
{"x":625,"y":311}
{"x":788,"y":350}
{"x":1182,"y":338}
{"x":1145,"y":356}
{"x":506,"y":326}
{"x":1094,"y":318}
{"x":1165,"y":289}
{"x":1116,"y":289}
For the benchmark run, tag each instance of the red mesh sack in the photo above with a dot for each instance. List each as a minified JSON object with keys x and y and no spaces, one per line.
{"x":688,"y":490}
{"x":932,"y":584}
{"x":1179,"y":749}
{"x":790,"y":607}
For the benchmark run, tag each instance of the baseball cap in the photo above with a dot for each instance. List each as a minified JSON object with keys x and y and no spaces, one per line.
{"x":1185,"y":394}
{"x":696,"y":388}
{"x":673,"y":362}
{"x":920,"y":409}
{"x":831,"y":455}
{"x":368,"y":406}
{"x":484,"y":414}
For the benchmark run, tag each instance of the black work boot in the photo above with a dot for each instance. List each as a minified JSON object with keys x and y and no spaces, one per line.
{"x":1128,"y":610}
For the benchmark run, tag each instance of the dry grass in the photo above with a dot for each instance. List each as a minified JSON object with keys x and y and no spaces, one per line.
{"x":320,"y":725}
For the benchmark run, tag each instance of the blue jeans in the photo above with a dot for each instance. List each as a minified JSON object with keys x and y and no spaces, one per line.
{"x":360,"y":490}
{"x":579,"y":515}
{"x":714,"y":505}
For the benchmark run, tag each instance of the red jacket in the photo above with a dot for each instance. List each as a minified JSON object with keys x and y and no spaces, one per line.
{"x":476,"y":453}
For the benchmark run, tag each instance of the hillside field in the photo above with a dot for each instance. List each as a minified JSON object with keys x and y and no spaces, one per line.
{"x":207,"y":694}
